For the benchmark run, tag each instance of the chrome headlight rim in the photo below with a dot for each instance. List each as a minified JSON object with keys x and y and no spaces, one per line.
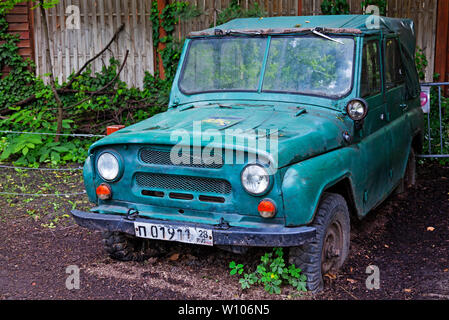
{"x":365,"y":109}
{"x":117,"y":157}
{"x":270,"y":180}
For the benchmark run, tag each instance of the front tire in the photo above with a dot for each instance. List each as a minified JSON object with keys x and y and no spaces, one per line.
{"x":330,"y":248}
{"x":123,"y":247}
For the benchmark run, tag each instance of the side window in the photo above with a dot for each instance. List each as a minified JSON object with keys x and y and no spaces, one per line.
{"x":394,"y":71}
{"x":371,"y":79}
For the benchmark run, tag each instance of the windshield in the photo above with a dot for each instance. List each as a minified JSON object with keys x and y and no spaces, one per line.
{"x":295,"y":64}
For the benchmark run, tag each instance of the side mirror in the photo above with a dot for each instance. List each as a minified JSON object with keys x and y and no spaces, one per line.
{"x":357,"y":110}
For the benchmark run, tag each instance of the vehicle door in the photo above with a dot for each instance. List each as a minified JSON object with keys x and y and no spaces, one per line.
{"x":373,"y":133}
{"x":397,"y":119}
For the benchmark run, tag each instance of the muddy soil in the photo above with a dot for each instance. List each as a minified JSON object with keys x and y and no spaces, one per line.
{"x":406,"y":238}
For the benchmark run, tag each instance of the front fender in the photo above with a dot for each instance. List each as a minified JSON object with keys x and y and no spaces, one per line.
{"x":304,"y":183}
{"x":88,"y":176}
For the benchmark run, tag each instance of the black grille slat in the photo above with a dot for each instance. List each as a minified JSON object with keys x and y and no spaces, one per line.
{"x":187,"y":183}
{"x":159,"y":157}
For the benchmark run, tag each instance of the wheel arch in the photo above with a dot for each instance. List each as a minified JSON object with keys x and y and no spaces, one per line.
{"x":344,"y":188}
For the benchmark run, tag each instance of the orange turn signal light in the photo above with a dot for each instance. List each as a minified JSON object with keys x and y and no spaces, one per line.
{"x":114,"y":128}
{"x":104,"y":191}
{"x":267,"y":209}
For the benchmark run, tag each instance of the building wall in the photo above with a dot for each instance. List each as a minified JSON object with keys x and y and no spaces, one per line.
{"x":20,"y":21}
{"x":442,"y":43}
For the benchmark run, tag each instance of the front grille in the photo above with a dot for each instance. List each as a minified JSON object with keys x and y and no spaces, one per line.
{"x":159,"y":157}
{"x":187,"y":183}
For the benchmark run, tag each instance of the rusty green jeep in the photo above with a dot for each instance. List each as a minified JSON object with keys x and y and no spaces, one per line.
{"x":279,"y":131}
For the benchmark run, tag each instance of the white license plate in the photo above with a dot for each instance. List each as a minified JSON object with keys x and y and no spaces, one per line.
{"x":174,"y":233}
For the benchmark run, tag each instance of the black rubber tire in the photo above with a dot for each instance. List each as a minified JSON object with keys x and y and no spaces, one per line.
{"x":123,"y":247}
{"x":331,"y":212}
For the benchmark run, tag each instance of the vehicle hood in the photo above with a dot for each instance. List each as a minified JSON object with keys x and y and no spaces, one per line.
{"x":288,"y":134}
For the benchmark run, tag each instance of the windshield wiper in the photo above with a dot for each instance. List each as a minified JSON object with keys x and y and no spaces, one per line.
{"x":318,"y":33}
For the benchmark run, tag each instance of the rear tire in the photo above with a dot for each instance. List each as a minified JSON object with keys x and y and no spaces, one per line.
{"x":327,"y":252}
{"x":123,"y":247}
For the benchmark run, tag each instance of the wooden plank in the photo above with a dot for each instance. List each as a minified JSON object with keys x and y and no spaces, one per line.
{"x":86,"y":32}
{"x":25,"y":52}
{"x":37,"y":43}
{"x":102,"y":29}
{"x":18,"y":27}
{"x":24,"y":44}
{"x":23,"y":35}
{"x":31,"y":29}
{"x":442,"y":40}
{"x":19,"y":9}
{"x":17,"y":18}
{"x":134,"y":49}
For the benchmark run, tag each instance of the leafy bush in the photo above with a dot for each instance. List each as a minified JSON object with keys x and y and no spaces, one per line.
{"x":234,"y":11}
{"x":421,"y":63}
{"x":272,"y":273}
{"x":334,"y":7}
{"x":433,"y":141}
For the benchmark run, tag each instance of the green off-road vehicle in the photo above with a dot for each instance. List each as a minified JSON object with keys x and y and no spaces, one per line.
{"x":279,"y":131}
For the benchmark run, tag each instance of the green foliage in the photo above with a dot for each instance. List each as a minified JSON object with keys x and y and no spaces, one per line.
{"x":434,"y":118}
{"x":421,"y":63}
{"x":7,"y":5}
{"x":272,"y":273}
{"x":382,"y":4}
{"x":333,"y":7}
{"x":435,"y":144}
{"x":234,"y":11}
{"x":168,"y":19}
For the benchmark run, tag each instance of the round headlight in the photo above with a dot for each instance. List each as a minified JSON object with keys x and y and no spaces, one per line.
{"x":108,"y":166}
{"x":357,"y":109}
{"x":255,"y":179}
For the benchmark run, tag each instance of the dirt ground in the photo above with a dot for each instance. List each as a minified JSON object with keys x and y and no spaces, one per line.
{"x":407,"y":238}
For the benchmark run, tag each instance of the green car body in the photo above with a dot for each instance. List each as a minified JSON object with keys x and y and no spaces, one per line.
{"x":320,"y":149}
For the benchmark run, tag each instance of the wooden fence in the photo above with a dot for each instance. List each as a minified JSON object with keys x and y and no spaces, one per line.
{"x":70,"y":48}
{"x":211,"y":8}
{"x":423,"y":12}
{"x":99,"y":19}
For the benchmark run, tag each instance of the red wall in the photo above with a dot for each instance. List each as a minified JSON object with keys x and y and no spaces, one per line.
{"x":20,"y":21}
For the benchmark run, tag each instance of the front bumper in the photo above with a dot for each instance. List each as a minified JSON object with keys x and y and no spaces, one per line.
{"x":222,"y":235}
